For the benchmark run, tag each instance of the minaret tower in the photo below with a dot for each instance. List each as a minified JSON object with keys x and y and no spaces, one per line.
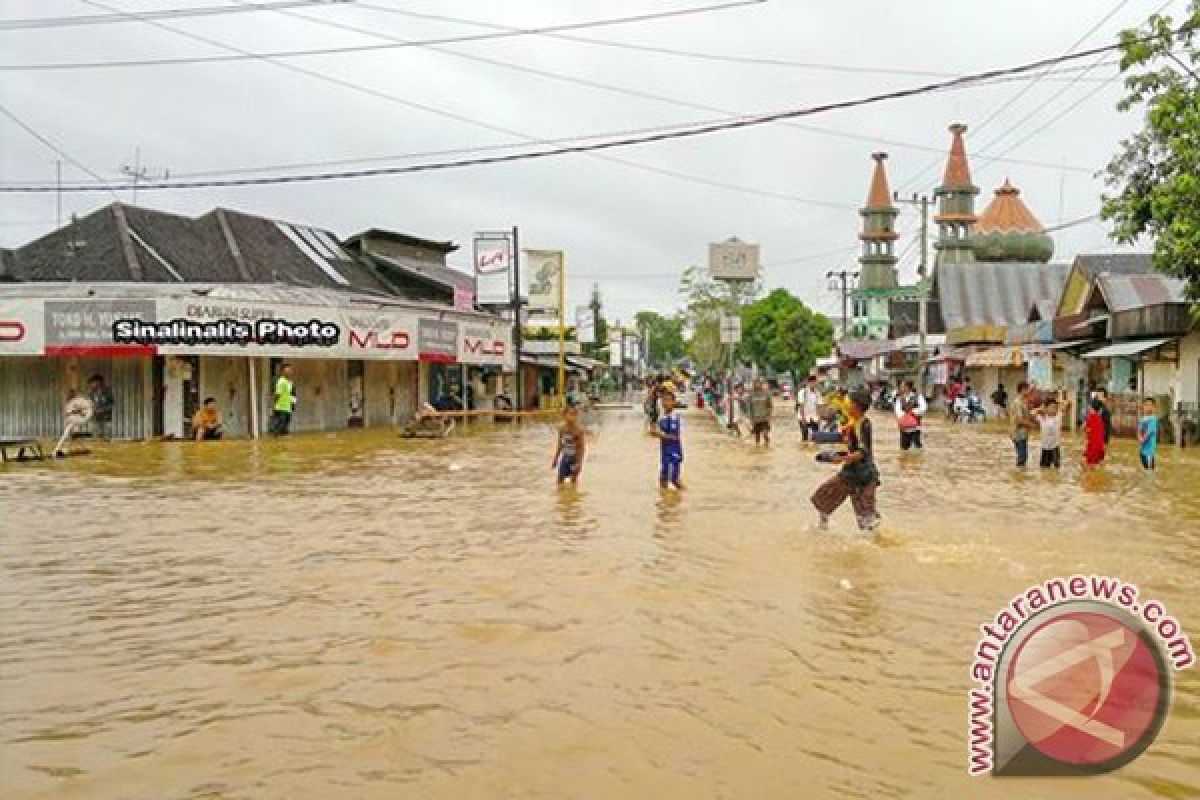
{"x":956,"y":205}
{"x":878,"y":235}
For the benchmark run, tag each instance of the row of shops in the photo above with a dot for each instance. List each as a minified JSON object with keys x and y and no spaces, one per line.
{"x":387,"y":358}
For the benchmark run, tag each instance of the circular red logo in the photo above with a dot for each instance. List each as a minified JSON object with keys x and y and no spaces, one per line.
{"x":1085,"y":688}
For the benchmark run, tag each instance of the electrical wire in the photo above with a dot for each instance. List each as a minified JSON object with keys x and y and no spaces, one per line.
{"x":933,"y":165}
{"x":35,"y":23}
{"x":364,"y":48}
{"x":685,"y":133}
{"x":50,"y":145}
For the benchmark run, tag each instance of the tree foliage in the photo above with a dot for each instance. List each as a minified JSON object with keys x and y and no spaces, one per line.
{"x":705,"y":302}
{"x":1157,"y":171}
{"x":664,"y":337}
{"x":782,"y":333}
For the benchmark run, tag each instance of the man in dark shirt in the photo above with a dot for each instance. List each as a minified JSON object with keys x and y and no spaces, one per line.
{"x":102,"y":403}
{"x":1106,"y":415}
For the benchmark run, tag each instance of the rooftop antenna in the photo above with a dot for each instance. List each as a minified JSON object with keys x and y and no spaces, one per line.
{"x":139,"y":172}
{"x":74,"y":245}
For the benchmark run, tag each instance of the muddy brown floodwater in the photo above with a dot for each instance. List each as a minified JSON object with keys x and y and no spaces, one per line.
{"x":356,"y":616}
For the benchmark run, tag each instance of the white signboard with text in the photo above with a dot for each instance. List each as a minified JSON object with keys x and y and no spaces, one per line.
{"x":733,"y":260}
{"x":493,"y":269}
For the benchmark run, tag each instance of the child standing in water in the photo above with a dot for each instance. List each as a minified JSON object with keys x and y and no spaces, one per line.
{"x":1051,"y":424}
{"x":568,"y":454}
{"x":1148,"y":433}
{"x":858,"y":478}
{"x":670,"y":435}
{"x":1094,"y":431}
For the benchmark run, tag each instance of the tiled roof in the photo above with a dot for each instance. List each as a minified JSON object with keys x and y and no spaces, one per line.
{"x":127,"y":243}
{"x":1127,"y":292}
{"x":998,"y":293}
{"x":958,"y":173}
{"x":446,"y":277}
{"x":1008,"y":213}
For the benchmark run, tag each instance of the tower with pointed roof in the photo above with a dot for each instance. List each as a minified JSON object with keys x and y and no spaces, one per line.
{"x":878,"y":259}
{"x":877,"y":278}
{"x":956,"y":204}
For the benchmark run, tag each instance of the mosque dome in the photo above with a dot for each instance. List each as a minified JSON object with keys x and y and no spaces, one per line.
{"x":1008,"y":231}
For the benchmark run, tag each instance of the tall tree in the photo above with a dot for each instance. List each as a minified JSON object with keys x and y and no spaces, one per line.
{"x":664,"y":337}
{"x":1157,"y":171}
{"x":782,"y":333}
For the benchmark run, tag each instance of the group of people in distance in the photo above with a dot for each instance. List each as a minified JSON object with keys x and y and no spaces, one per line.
{"x":1029,"y":409}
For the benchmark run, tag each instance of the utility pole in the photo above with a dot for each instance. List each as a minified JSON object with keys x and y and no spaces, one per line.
{"x":137,"y":172}
{"x":842,"y":281}
{"x":58,"y":194}
{"x":923,"y":285}
{"x":516,"y":312}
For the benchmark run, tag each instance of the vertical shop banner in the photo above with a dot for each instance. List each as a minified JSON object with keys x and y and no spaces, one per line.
{"x":464,"y":299}
{"x":615,"y":348}
{"x":545,"y":269}
{"x":631,"y":348}
{"x":85,"y":327}
{"x":585,"y":325}
{"x":22,"y":330}
{"x":1040,"y":370}
{"x":493,"y":268}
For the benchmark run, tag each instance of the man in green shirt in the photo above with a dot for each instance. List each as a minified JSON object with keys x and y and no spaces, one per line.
{"x":285,"y":401}
{"x":760,"y":411}
{"x":1020,"y":422}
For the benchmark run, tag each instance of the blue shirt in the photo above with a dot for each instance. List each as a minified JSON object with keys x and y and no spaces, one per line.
{"x":1148,"y":427}
{"x":670,"y":424}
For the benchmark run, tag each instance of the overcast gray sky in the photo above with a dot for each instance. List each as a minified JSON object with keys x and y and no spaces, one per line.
{"x":630,"y":229}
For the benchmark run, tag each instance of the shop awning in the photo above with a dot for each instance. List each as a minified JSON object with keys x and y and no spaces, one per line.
{"x":995,"y":357}
{"x":1070,"y":345}
{"x":1127,"y":349}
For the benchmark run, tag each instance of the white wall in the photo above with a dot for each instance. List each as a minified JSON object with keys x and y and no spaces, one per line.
{"x":1187,"y":386}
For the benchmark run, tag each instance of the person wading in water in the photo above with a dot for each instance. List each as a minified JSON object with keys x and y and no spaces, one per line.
{"x":910,"y":409}
{"x":858,"y":478}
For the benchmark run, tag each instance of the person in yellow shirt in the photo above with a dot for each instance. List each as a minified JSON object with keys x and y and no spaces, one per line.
{"x":206,"y":422}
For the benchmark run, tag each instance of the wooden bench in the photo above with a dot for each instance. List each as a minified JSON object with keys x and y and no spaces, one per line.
{"x":27,"y":450}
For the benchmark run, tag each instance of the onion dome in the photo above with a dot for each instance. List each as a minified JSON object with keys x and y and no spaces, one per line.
{"x":1008,"y":231}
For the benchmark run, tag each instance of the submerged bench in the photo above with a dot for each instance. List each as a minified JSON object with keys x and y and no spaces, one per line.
{"x":27,"y":450}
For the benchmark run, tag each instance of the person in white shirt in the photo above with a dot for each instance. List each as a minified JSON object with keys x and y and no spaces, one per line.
{"x":910,"y":408}
{"x":808,"y":408}
{"x":1050,"y":421}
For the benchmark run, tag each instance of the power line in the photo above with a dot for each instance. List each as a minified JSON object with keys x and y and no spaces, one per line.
{"x":35,"y":23}
{"x":50,"y":145}
{"x":1020,"y":93}
{"x":363,"y":48}
{"x":685,"y":133}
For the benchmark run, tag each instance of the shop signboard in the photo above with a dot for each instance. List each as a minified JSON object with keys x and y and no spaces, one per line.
{"x":485,"y":345}
{"x":585,"y":325}
{"x":85,"y":327}
{"x":733,"y":260}
{"x":22,"y":329}
{"x":1039,"y":370}
{"x":437,"y":340}
{"x":545,"y":268}
{"x":615,"y":347}
{"x":493,"y":268}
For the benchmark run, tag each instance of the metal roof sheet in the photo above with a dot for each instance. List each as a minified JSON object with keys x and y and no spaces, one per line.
{"x":998,"y":293}
{"x":1127,"y":292}
{"x":1123,"y":349}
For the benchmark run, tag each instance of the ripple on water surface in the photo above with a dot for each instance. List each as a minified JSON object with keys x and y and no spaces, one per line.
{"x":358,"y":616}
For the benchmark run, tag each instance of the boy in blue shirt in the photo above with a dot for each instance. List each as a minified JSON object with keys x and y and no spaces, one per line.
{"x":1148,"y":432}
{"x":669,"y":432}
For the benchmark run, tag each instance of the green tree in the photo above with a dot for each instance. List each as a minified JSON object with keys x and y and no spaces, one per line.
{"x":664,"y":337}
{"x":1157,"y":171}
{"x":705,"y":302}
{"x":782,"y":333}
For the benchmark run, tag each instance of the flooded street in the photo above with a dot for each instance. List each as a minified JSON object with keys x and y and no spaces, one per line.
{"x":357,"y":616}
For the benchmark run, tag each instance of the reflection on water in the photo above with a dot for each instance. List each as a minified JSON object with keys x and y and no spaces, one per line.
{"x":362,"y":616}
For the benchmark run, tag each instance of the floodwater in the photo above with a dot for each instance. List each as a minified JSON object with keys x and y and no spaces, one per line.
{"x":357,"y":616}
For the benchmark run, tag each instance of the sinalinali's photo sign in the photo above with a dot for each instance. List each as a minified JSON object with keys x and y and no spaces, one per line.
{"x":209,"y":326}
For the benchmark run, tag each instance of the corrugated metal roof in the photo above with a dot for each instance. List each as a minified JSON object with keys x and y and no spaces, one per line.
{"x":1123,"y":349}
{"x":862,"y":349}
{"x":1115,"y":263}
{"x":998,"y":293}
{"x":1127,"y":292}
